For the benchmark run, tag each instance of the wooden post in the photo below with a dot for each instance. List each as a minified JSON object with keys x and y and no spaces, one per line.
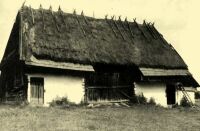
{"x":29,"y":90}
{"x":20,"y":36}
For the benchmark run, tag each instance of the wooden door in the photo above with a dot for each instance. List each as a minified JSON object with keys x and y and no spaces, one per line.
{"x":37,"y":91}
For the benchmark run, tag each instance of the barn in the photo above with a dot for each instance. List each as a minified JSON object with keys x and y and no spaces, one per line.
{"x":56,"y":54}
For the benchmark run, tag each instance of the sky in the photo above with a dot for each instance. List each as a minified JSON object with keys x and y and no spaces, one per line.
{"x":177,"y":20}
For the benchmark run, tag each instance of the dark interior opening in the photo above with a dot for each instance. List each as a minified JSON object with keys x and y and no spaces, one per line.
{"x":109,"y":86}
{"x":171,"y":94}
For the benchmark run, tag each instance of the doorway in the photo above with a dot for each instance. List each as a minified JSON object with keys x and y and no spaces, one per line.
{"x":171,"y":94}
{"x":37,"y":91}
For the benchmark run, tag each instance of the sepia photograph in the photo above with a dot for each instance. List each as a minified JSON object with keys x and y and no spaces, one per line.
{"x":102,"y":65}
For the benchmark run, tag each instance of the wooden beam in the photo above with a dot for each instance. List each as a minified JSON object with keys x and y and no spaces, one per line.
{"x":149,"y":26}
{"x":22,"y":7}
{"x":42,"y":13}
{"x":20,"y":36}
{"x":106,"y":87}
{"x":150,"y":31}
{"x":117,"y":27}
{"x":9,"y":55}
{"x":62,"y":17}
{"x":87,"y":22}
{"x":111,"y":26}
{"x":129,"y":28}
{"x":54,"y":18}
{"x":159,"y":35}
{"x":107,"y":101}
{"x":140,"y":29}
{"x":120,"y":21}
{"x":32,"y":15}
{"x":76,"y":17}
{"x":82,"y":14}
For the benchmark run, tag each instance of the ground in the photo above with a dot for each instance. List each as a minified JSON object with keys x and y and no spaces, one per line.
{"x":136,"y":118}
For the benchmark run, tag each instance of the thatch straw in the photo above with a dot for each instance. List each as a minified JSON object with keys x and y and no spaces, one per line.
{"x":100,"y":44}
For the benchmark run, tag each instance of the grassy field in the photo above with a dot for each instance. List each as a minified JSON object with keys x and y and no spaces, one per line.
{"x":136,"y":118}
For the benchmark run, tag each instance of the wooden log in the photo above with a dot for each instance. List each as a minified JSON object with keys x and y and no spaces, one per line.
{"x":111,"y":26}
{"x":129,"y":28}
{"x":62,"y":17}
{"x":122,"y":24}
{"x":32,"y":15}
{"x":76,"y":17}
{"x":117,"y":27}
{"x":20,"y":36}
{"x":42,"y":13}
{"x":159,"y":35}
{"x":139,"y":28}
{"x":87,"y":22}
{"x":150,"y":31}
{"x":54,"y":18}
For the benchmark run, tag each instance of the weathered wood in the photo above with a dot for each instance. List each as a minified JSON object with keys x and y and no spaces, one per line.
{"x":20,"y":35}
{"x":149,"y":26}
{"x":139,"y":28}
{"x":111,"y":26}
{"x":32,"y":15}
{"x":62,"y":17}
{"x":87,"y":22}
{"x":105,"y":87}
{"x":9,"y":55}
{"x":107,"y":101}
{"x":76,"y":17}
{"x":150,"y":31}
{"x":123,"y":26}
{"x":129,"y":27}
{"x":54,"y":18}
{"x":159,"y":35}
{"x":117,"y":27}
{"x":42,"y":13}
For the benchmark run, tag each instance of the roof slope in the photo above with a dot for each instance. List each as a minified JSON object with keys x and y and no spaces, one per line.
{"x":64,"y":37}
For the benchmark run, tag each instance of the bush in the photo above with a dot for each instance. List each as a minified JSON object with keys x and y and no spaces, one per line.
{"x":184,"y":102}
{"x":140,"y":99}
{"x":61,"y":101}
{"x":152,"y":101}
{"x":197,"y":95}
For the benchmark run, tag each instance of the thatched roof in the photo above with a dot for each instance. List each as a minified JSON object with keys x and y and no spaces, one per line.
{"x":64,"y":37}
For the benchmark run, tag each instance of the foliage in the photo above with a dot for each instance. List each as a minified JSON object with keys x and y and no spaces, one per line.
{"x":197,"y":95}
{"x":61,"y":101}
{"x":184,"y":102}
{"x":152,"y":101}
{"x":140,"y":99}
{"x":65,"y":102}
{"x":139,"y":118}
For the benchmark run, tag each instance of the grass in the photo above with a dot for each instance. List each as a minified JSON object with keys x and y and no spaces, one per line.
{"x":136,"y":118}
